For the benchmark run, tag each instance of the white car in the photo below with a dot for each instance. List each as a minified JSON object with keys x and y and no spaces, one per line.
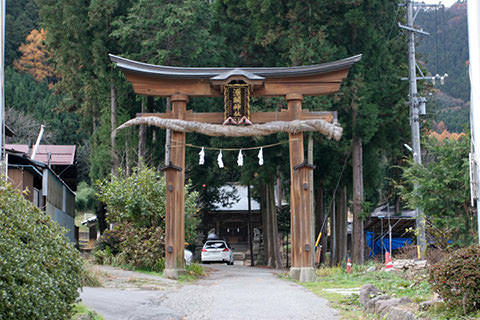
{"x":217,"y":251}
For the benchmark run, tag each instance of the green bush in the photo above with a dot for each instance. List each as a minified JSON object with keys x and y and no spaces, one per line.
{"x":139,"y":199}
{"x":457,"y":278}
{"x":141,"y":248}
{"x":40,"y":271}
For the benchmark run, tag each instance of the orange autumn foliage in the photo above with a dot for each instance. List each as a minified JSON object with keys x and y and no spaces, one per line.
{"x":35,"y":57}
{"x":445,"y":135}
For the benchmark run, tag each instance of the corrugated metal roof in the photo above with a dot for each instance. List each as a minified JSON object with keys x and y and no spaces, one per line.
{"x":60,"y":154}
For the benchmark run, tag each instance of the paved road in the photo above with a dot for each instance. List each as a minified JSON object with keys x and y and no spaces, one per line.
{"x":229,"y":292}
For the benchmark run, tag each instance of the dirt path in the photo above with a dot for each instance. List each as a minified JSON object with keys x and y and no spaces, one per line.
{"x":229,"y":292}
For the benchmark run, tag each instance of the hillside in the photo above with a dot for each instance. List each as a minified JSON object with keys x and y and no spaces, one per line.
{"x":446,"y":51}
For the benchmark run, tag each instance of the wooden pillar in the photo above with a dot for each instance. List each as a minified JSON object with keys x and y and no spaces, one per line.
{"x":175,"y":202}
{"x":300,"y":210}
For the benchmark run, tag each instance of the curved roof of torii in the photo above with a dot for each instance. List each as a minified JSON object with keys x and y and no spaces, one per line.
{"x":160,"y":71}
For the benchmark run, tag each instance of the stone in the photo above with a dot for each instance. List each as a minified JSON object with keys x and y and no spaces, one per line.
{"x":395,"y":313}
{"x":426,"y":305}
{"x":384,"y":305}
{"x":303,"y":274}
{"x":370,"y":306}
{"x":367,"y":292}
{"x":405,"y":300}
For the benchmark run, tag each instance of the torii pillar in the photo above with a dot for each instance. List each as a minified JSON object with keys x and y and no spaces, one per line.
{"x":175,"y":200}
{"x":302,"y":268}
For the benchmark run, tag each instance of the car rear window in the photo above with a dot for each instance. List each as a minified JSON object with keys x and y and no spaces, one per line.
{"x":215,"y":245}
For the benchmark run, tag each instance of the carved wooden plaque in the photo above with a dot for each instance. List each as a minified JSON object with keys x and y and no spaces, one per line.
{"x":237,"y":104}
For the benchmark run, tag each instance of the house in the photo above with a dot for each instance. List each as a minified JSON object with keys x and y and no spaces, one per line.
{"x":231,"y":221}
{"x":46,"y":189}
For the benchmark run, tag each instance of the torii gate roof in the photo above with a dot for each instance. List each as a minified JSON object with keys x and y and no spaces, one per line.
{"x":207,"y":73}
{"x":159,"y":80}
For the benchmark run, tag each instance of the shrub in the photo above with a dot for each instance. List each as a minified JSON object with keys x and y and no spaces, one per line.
{"x":137,"y":247}
{"x":142,"y":247}
{"x":139,"y":199}
{"x":457,"y":278}
{"x":40,"y":271}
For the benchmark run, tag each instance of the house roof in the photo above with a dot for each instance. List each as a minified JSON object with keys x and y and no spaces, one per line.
{"x":241,"y":203}
{"x":60,"y":154}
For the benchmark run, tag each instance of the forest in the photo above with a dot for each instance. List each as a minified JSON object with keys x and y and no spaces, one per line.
{"x":59,"y":74}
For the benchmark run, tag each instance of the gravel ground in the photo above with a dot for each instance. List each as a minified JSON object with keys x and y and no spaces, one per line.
{"x":229,"y":292}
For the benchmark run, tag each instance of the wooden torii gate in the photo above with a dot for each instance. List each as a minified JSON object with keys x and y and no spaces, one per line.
{"x":293,"y":83}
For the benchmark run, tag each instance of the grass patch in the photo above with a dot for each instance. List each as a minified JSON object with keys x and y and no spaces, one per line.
{"x":393,"y":284}
{"x":92,"y":277}
{"x":82,"y":312}
{"x":192,"y":273}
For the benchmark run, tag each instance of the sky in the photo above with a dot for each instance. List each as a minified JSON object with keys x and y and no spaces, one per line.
{"x":446,"y":3}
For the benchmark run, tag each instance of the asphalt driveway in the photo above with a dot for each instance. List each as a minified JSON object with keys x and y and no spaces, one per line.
{"x":228,"y":292}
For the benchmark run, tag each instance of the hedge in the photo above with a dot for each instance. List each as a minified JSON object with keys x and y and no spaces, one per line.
{"x":40,"y":270}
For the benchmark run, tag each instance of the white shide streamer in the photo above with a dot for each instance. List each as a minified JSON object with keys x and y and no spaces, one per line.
{"x":220,"y":160}
{"x":240,"y":158}
{"x":201,"y":160}
{"x":260,"y":157}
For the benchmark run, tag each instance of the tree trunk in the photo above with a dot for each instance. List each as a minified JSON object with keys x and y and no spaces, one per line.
{"x":341,"y":225}
{"x":358,"y":238}
{"x":128,"y":165}
{"x":113,"y":120}
{"x":270,"y":226}
{"x":167,"y":135}
{"x":142,"y":138}
{"x":319,"y":220}
{"x":333,"y":231}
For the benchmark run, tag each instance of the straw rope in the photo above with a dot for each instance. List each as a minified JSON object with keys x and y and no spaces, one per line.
{"x":331,"y":130}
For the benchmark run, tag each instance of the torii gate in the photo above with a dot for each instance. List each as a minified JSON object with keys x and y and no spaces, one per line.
{"x":293,"y":83}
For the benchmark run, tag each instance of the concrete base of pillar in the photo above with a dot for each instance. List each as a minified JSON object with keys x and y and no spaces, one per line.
{"x":173,"y":273}
{"x":303,"y":274}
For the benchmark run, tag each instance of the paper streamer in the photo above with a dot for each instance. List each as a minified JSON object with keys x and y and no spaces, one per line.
{"x":201,"y":161}
{"x":240,"y":159}
{"x":220,"y":160}
{"x":260,"y":157}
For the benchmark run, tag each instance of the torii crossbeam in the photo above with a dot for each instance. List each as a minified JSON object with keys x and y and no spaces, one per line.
{"x":293,"y":83}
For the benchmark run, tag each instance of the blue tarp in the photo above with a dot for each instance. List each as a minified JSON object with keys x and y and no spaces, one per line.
{"x":382,"y":245}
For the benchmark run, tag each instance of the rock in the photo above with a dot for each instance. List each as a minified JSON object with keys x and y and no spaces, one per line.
{"x":367,"y":292}
{"x":370,"y":306}
{"x":383,"y":306}
{"x":395,"y":313}
{"x":426,"y":305}
{"x":405,"y":300}
{"x":371,"y":269}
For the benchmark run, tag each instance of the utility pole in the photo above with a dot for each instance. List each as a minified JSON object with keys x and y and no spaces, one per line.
{"x":2,"y":83}
{"x":417,"y":108}
{"x":474,"y":53}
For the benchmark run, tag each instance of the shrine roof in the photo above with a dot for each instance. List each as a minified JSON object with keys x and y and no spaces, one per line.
{"x":160,"y":71}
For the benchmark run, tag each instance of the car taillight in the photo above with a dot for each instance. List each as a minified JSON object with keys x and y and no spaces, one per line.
{"x":204,"y":250}
{"x":225,"y":250}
